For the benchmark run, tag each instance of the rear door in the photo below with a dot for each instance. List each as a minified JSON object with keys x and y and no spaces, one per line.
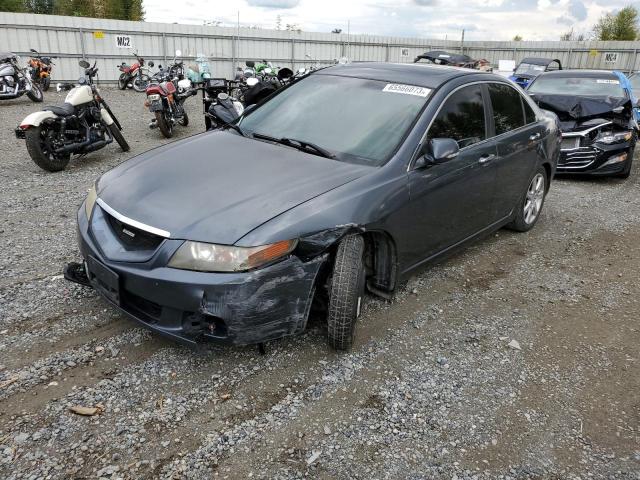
{"x":518,"y":135}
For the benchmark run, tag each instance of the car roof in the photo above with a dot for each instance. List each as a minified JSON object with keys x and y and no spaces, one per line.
{"x":419,"y":74}
{"x":539,"y":60}
{"x":580,"y":73}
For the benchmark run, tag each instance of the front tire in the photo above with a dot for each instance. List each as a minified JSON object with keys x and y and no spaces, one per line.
{"x":39,"y":151}
{"x":529,"y":208}
{"x":346,"y":292}
{"x":164,"y":125}
{"x":117,"y":135}
{"x":122,"y":81}
{"x":35,"y":94}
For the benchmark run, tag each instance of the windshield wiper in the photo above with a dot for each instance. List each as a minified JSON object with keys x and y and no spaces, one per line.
{"x":298,"y":144}
{"x":236,"y":128}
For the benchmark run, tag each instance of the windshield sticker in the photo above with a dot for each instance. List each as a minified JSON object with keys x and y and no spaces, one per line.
{"x":407,"y":89}
{"x":613,"y":82}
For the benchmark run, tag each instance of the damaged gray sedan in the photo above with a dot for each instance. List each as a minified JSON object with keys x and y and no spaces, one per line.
{"x":345,"y":181}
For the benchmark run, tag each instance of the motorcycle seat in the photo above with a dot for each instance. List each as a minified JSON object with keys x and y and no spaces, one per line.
{"x":64,"y":110}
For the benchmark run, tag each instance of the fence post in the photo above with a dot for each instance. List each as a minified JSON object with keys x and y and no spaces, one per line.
{"x":233,"y":56}
{"x":568,"y":65}
{"x":386,"y":53}
{"x":82,"y":49}
{"x":164,"y":47}
{"x":293,"y":53}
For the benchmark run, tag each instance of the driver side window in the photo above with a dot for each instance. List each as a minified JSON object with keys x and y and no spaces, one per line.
{"x":461,"y":118}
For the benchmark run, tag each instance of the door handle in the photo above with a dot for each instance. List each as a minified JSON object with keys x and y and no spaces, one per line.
{"x":534,"y":137}
{"x":484,"y":159}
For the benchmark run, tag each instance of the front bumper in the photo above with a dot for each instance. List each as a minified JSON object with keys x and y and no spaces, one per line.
{"x":233,"y":308}
{"x":594,"y":159}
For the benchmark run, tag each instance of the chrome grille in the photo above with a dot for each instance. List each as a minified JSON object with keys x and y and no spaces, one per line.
{"x":577,"y":157}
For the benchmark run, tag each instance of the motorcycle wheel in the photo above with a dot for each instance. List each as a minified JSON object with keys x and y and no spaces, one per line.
{"x":40,"y":153}
{"x":35,"y":93}
{"x":165,"y":126}
{"x":122,"y":81}
{"x":46,"y":83}
{"x":117,"y":135}
{"x":140,"y":83}
{"x":184,"y":121}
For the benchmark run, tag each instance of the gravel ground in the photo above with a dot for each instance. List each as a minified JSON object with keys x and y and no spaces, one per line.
{"x":517,"y":358}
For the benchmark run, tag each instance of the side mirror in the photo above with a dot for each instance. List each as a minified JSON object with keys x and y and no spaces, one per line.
{"x":440,"y":150}
{"x":151,"y":64}
{"x":33,"y":50}
{"x":250,"y":63}
{"x":178,"y":53}
{"x":84,"y":64}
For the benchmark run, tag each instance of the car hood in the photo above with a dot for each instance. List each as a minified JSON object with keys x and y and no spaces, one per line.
{"x":217,"y":187}
{"x":571,"y":108}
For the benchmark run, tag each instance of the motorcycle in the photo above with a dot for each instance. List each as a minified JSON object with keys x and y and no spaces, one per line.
{"x":83,"y":123}
{"x":16,"y":81}
{"x":165,"y":99}
{"x":199,"y":72}
{"x":134,"y":76}
{"x":41,"y":70}
{"x":220,"y":107}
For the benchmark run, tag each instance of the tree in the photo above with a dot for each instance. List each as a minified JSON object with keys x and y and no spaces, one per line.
{"x":517,"y":38}
{"x":12,"y":6}
{"x":571,"y":36}
{"x":622,"y":25}
{"x":118,"y":9}
{"x":279,"y":22}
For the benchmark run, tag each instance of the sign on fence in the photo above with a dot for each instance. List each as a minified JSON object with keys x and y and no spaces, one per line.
{"x":124,"y":41}
{"x":611,"y":57}
{"x":98,"y":34}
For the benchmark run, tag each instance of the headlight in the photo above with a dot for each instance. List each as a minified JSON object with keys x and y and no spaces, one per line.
{"x":207,"y":257}
{"x":90,"y":201}
{"x":615,"y":138}
{"x":153,"y":97}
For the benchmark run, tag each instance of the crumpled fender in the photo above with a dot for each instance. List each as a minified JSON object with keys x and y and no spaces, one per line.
{"x":106,"y":118}
{"x":36,"y":118}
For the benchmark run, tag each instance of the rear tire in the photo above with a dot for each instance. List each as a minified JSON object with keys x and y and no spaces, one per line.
{"x":117,"y":135}
{"x":46,"y":83}
{"x":39,"y":152}
{"x":140,"y":83}
{"x":346,"y":292}
{"x":164,"y":126}
{"x":122,"y":82}
{"x":530,"y":207}
{"x":35,"y":94}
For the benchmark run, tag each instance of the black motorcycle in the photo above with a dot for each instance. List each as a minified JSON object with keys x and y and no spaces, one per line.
{"x":16,"y":81}
{"x":83,"y":123}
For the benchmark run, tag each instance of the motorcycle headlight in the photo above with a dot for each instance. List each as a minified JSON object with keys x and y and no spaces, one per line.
{"x":90,"y":201}
{"x":207,"y":257}
{"x":615,"y":137}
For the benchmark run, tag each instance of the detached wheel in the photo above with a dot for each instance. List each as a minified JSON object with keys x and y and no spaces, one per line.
{"x":164,"y":125}
{"x":35,"y":93}
{"x":529,"y":208}
{"x":346,"y":292}
{"x":117,"y":135}
{"x":38,"y":145}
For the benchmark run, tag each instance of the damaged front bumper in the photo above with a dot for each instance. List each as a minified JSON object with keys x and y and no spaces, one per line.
{"x":234,"y":308}
{"x":581,"y":155}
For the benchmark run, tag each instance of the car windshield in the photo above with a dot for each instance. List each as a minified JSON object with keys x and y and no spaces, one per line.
{"x":577,"y":86}
{"x":529,"y":69}
{"x":355,"y":119}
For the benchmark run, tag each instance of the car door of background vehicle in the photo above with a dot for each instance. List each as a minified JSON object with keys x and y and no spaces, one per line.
{"x":453,"y":200}
{"x":518,"y":136}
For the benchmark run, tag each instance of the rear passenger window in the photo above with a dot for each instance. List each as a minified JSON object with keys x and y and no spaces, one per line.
{"x":529,"y":114}
{"x":461,"y":117}
{"x":507,"y":108}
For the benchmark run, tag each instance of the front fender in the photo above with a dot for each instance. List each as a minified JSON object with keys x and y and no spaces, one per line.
{"x":36,"y":118}
{"x":106,"y":118}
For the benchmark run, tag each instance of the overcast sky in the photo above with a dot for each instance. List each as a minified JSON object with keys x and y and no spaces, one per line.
{"x":482,"y":19}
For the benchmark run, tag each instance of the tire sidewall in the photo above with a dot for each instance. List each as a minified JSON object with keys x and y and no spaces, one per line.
{"x":519,"y":222}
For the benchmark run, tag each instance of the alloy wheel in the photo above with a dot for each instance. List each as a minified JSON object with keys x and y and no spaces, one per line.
{"x":534,"y":199}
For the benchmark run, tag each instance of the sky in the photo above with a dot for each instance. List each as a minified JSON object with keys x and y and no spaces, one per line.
{"x":437,"y":19}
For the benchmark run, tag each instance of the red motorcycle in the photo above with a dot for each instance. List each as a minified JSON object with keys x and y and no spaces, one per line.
{"x":165,"y":100}
{"x":134,"y":76}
